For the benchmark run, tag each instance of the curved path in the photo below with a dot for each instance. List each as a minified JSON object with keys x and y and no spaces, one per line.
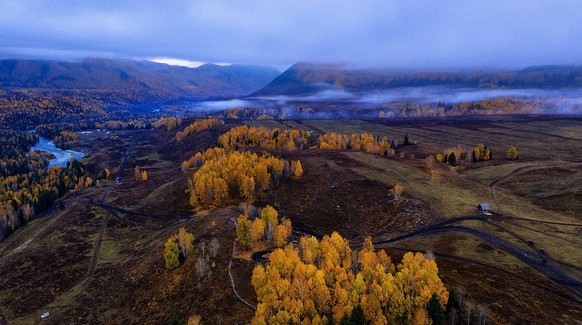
{"x":494,"y":182}
{"x":541,"y":264}
{"x":232,"y":278}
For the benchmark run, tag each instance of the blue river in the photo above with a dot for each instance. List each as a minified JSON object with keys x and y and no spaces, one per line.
{"x":62,"y":157}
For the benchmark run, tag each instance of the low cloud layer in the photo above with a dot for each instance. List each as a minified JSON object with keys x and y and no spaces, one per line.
{"x":399,"y":34}
{"x":564,"y":101}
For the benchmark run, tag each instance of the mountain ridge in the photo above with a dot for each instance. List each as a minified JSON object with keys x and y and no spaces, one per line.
{"x":156,"y":81}
{"x":308,"y":79}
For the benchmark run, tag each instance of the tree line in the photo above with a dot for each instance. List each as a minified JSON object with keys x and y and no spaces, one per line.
{"x":265,"y":230}
{"x":197,"y":126}
{"x":275,"y":139}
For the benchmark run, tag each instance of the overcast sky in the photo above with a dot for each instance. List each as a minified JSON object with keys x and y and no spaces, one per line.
{"x":391,"y":34}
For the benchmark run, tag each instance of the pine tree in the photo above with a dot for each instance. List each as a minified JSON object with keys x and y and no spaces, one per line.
{"x":452,"y":159}
{"x":406,"y":140}
{"x":435,"y":311}
{"x":358,"y":317}
{"x":452,"y":303}
{"x":176,"y":320}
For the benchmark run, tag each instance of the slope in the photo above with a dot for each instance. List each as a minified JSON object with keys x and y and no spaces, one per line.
{"x":153,"y":81}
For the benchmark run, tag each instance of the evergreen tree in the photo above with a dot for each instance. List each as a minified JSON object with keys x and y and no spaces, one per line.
{"x":176,"y":320}
{"x":453,"y":302}
{"x":406,"y":141}
{"x":358,"y":317}
{"x":435,"y":311}
{"x":452,"y":159}
{"x":345,"y":320}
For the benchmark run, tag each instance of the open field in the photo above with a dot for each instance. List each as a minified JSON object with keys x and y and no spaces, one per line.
{"x":73,"y":262}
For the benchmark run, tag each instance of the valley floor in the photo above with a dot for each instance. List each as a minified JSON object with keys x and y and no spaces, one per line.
{"x":100,"y":260}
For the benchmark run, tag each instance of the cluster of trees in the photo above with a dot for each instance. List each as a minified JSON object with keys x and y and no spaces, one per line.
{"x":496,"y":106}
{"x":265,"y":117}
{"x":365,"y":142}
{"x":14,"y":147}
{"x":451,"y":156}
{"x":135,"y":124}
{"x":169,"y":122}
{"x":481,"y":153}
{"x":177,"y":248}
{"x":25,"y":109}
{"x":140,"y":175}
{"x":454,"y":155}
{"x":33,"y":189}
{"x":243,"y":113}
{"x":52,"y":112}
{"x":66,"y":139}
{"x":237,"y":174}
{"x":275,"y":139}
{"x":197,"y":126}
{"x":263,"y":229}
{"x":323,"y":282}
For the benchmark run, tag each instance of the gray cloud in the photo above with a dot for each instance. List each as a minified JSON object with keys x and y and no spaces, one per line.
{"x":400,"y":34}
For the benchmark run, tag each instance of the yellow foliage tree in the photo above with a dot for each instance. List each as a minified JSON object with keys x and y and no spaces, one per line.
{"x":194,"y":320}
{"x":171,"y":253}
{"x":257,"y":231}
{"x":512,"y":154}
{"x":185,"y":240}
{"x":282,"y":232}
{"x":296,"y":168}
{"x":397,"y":191}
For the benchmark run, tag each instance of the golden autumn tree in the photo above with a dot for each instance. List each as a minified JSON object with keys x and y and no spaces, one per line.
{"x":243,"y":231}
{"x":270,"y":217}
{"x":397,"y":191}
{"x":296,"y":168}
{"x":282,"y":232}
{"x":257,"y":230}
{"x":185,"y":240}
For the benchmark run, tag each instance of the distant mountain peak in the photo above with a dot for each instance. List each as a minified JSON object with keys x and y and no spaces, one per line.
{"x":309,"y":78}
{"x":145,"y":80}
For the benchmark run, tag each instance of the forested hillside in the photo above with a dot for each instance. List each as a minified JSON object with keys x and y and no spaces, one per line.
{"x":135,"y":81}
{"x":303,"y":79}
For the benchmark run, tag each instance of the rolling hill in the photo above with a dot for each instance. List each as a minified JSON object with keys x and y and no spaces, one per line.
{"x":307,"y":79}
{"x":146,"y":80}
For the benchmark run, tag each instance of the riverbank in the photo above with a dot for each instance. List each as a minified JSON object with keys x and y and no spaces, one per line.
{"x":62,"y":157}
